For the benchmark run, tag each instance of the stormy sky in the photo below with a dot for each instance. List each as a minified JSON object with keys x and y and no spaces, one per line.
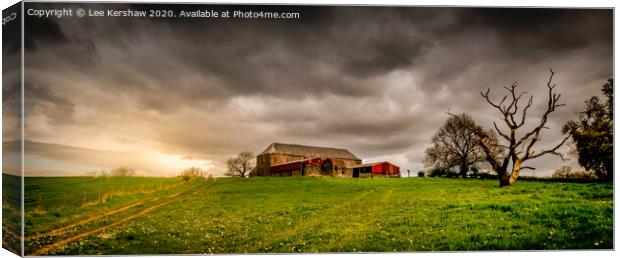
{"x":159,"y":95}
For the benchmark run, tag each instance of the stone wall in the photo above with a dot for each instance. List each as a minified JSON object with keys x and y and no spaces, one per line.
{"x":312,"y":170}
{"x":348,"y":172}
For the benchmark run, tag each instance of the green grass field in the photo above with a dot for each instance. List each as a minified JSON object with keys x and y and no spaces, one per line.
{"x":57,"y":201}
{"x":313,"y":214}
{"x":11,"y":219}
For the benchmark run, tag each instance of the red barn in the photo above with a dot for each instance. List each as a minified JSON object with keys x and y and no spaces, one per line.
{"x":384,"y":169}
{"x":281,"y":159}
{"x":335,"y":160}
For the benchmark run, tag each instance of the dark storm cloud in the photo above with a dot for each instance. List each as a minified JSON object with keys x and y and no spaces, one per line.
{"x":11,"y":79}
{"x":41,"y":30}
{"x":537,"y":30}
{"x":251,"y":57}
{"x":377,"y":80}
{"x":11,"y":41}
{"x":11,"y":92}
{"x":499,"y":40}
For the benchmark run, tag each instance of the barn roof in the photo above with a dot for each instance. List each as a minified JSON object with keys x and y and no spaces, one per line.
{"x":308,"y":151}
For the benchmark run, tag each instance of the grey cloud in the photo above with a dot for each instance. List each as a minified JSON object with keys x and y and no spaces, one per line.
{"x":41,"y":31}
{"x":335,"y":77}
{"x":538,"y":31}
{"x":58,"y":108}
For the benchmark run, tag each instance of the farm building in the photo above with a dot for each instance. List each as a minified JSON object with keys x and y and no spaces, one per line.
{"x":290,"y":158}
{"x":298,"y":160}
{"x":306,"y":167}
{"x":381,"y":169}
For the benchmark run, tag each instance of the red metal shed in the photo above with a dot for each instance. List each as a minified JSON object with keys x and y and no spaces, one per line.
{"x":385,"y":168}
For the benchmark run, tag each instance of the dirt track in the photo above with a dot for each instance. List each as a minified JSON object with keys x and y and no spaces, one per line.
{"x":67,"y":240}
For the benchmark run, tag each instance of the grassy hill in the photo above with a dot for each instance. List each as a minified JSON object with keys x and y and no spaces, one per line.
{"x":320,"y":214}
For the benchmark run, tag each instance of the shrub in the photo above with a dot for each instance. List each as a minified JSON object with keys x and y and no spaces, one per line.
{"x":115,"y":172}
{"x":486,"y":175}
{"x":566,"y":172}
{"x":475,"y":171}
{"x":438,"y":172}
{"x":452,"y":174}
{"x":193,"y":172}
{"x":123,"y":171}
{"x":421,"y":173}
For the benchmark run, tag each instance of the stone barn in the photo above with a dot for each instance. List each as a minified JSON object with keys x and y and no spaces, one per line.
{"x":281,"y":159}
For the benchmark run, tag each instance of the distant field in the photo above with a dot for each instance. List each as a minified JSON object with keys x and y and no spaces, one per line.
{"x":313,"y":214}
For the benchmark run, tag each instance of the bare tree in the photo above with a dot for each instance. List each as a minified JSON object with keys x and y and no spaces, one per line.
{"x":439,"y":157}
{"x":518,"y":149}
{"x":241,"y":165}
{"x":455,"y":145}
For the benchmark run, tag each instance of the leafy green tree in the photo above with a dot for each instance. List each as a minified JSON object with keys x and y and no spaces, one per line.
{"x":593,"y":134}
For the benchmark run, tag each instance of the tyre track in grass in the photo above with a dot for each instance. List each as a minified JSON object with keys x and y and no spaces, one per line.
{"x":59,"y":231}
{"x":318,"y":220}
{"x":64,"y":229}
{"x":363,"y":226}
{"x":313,"y":222}
{"x":172,"y":198}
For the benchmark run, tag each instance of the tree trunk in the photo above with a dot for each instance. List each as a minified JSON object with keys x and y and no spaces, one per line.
{"x":463,"y":169}
{"x":509,"y":180}
{"x":504,"y":181}
{"x":609,"y":169}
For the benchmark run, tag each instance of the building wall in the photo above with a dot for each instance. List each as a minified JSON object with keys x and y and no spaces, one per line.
{"x":341,"y":167}
{"x":309,"y":170}
{"x":262,"y":165}
{"x":312,"y":170}
{"x":375,"y":175}
{"x":263,"y":162}
{"x":366,"y":175}
{"x":332,"y":167}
